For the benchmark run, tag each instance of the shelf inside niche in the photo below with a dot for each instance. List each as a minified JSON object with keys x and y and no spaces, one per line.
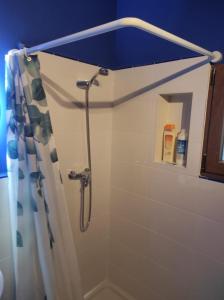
{"x":171,"y":109}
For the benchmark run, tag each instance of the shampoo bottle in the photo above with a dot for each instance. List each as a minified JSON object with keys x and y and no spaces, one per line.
{"x":181,"y":148}
{"x":169,"y":139}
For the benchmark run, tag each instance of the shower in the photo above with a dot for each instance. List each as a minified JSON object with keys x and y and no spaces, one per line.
{"x":85,"y":177}
{"x":86,"y":84}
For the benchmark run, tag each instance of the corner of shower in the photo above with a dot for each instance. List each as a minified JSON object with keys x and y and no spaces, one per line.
{"x":85,"y":177}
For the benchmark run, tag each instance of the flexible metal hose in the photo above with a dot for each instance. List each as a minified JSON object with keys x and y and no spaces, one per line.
{"x":84,"y":184}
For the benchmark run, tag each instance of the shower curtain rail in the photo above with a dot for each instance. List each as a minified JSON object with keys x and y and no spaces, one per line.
{"x":215,"y":56}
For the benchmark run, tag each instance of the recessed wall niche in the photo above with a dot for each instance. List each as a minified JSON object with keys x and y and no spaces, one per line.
{"x":171,"y":109}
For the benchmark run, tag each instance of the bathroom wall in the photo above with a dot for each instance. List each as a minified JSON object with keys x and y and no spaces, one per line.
{"x":166,"y":239}
{"x":157,"y":230}
{"x":59,"y":78}
{"x":5,"y":241}
{"x":166,"y":223}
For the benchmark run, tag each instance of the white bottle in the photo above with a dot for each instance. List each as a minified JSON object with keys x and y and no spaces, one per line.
{"x":181,"y":148}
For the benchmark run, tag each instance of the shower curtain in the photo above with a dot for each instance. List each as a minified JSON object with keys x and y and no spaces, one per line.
{"x":45,"y":263}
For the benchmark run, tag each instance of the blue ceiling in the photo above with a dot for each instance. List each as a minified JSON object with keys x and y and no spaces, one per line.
{"x":33,"y":22}
{"x":199,"y":21}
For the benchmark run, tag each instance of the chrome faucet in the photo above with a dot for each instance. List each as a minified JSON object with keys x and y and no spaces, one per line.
{"x":84,"y":176}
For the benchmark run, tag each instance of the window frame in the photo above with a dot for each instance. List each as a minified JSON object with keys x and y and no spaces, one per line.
{"x":212,"y":167}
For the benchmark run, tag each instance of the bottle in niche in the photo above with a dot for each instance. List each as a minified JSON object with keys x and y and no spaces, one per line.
{"x":169,"y":139}
{"x":181,"y":148}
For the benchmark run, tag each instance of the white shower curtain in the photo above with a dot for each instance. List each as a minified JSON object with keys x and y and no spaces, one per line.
{"x":45,"y":262}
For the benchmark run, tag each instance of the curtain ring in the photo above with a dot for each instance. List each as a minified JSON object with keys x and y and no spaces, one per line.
{"x":28,"y":58}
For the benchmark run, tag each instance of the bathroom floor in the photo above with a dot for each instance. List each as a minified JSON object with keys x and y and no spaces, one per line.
{"x":107,"y":294}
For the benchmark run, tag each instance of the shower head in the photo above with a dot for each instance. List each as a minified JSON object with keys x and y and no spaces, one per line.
{"x":86,"y":84}
{"x":83,"y":84}
{"x":103,"y":71}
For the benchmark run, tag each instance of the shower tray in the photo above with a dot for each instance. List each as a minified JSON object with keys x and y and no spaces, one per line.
{"x":107,"y":291}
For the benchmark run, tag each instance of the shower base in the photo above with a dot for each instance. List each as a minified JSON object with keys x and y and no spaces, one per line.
{"x":107,"y":291}
{"x":108,"y":294}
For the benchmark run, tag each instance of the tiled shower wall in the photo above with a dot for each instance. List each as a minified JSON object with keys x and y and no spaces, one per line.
{"x":166,"y":238}
{"x":59,"y":77}
{"x":5,"y":241}
{"x":166,"y":224}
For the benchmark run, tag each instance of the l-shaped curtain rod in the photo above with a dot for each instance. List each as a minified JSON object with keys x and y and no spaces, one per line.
{"x":215,"y":56}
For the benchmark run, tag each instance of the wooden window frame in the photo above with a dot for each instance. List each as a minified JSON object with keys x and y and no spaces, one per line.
{"x":212,"y":167}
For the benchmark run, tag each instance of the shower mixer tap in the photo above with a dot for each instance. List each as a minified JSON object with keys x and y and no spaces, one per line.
{"x":85,"y":181}
{"x":84,"y":176}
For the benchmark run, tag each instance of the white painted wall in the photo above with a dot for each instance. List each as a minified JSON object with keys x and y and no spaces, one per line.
{"x":166,"y":238}
{"x":70,"y":135}
{"x":5,"y":240}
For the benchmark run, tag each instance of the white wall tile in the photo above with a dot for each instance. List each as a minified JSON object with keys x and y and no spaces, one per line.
{"x":209,"y":238}
{"x":134,"y":115}
{"x":6,"y":268}
{"x":5,"y":241}
{"x":5,"y":232}
{"x":137,"y":289}
{"x":207,"y":279}
{"x":131,"y":206}
{"x":154,"y":246}
{"x":131,"y":177}
{"x":164,"y":219}
{"x":159,"y":279}
{"x":208,"y":201}
{"x":4,"y":201}
{"x":70,"y":134}
{"x":131,"y":147}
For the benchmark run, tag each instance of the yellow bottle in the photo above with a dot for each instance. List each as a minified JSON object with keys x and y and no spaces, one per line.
{"x":169,"y":140}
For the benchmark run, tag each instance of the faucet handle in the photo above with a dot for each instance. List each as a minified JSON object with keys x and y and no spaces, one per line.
{"x":73,"y":175}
